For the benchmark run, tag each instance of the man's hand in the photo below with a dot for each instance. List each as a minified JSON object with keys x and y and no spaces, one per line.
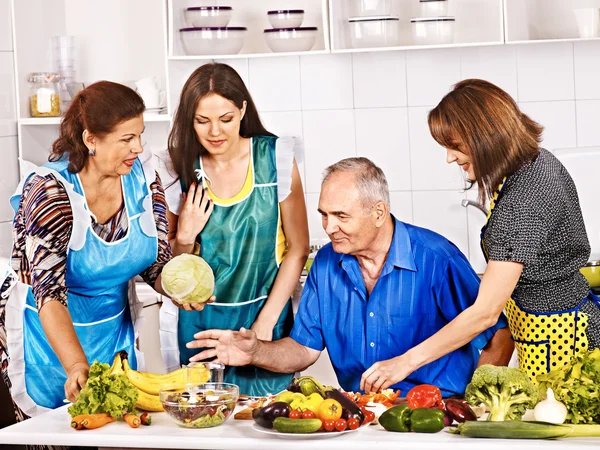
{"x":193,"y":306}
{"x":77,"y":376}
{"x":232,"y":348}
{"x":384,"y":374}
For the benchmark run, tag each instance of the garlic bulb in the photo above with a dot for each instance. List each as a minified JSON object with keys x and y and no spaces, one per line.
{"x":550,"y":410}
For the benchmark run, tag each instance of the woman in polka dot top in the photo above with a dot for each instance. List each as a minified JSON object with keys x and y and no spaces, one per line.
{"x":534,"y":239}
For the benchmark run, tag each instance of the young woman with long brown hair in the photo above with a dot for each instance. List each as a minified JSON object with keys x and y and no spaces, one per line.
{"x":236,"y":199}
{"x":534,"y":240}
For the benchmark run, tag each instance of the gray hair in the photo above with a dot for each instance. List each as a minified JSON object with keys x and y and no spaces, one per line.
{"x":370,"y":179}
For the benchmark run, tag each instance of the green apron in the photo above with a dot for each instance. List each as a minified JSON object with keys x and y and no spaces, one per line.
{"x":239,"y":242}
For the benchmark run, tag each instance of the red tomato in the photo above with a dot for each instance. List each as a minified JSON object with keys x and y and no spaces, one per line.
{"x":341,"y":424}
{"x":308,"y":414}
{"x":353,"y":423}
{"x":295,"y":414}
{"x":369,"y":415}
{"x":329,"y":425}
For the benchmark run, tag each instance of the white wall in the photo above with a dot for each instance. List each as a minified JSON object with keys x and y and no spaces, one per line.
{"x":9,"y":174}
{"x":376,"y":105}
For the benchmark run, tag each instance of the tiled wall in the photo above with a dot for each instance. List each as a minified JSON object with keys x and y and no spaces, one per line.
{"x":376,"y":105}
{"x":9,"y":174}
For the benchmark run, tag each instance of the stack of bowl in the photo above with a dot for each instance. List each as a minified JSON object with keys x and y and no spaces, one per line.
{"x":434,"y":26}
{"x":208,"y":33}
{"x":372,"y":25}
{"x":287,"y":34}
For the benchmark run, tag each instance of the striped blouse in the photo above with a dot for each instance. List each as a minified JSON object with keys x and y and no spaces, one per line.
{"x":42,"y":229}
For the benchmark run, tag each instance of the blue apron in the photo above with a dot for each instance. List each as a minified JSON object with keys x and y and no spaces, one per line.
{"x":97,"y":277}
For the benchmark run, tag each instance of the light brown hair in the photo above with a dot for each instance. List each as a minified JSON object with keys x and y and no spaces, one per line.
{"x":99,"y":108}
{"x":498,"y":137}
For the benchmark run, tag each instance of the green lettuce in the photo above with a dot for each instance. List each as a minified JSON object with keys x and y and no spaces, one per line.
{"x":577,"y":386}
{"x":188,"y":279}
{"x":105,"y":392}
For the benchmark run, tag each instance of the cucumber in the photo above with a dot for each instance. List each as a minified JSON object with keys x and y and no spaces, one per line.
{"x":286,"y":425}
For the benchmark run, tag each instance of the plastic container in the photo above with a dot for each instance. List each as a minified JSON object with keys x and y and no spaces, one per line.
{"x":363,"y":8}
{"x":208,"y":16}
{"x":213,"y":40}
{"x":300,"y":39}
{"x":44,"y":94}
{"x":434,"y":8}
{"x":286,"y":18}
{"x":377,"y":31}
{"x":433,"y":30}
{"x":199,"y":406}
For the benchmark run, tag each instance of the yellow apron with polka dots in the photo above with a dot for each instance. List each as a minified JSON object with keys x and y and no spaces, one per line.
{"x":544,"y":341}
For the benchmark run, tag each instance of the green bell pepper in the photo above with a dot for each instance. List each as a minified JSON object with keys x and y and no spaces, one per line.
{"x":397,"y":418}
{"x":427,"y":420}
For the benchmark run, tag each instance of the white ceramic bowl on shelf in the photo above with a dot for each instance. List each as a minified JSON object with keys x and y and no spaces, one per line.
{"x":286,"y":18}
{"x":364,"y":8}
{"x":299,"y":39}
{"x":434,"y":8}
{"x":213,"y":40}
{"x":433,"y":30}
{"x":375,"y":31}
{"x":208,"y":16}
{"x":588,"y":22}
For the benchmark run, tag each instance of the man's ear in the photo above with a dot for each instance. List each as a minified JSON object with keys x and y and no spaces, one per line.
{"x":381,"y":212}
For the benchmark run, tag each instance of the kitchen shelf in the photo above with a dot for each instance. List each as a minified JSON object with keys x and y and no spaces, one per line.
{"x":243,"y":56}
{"x":532,"y":21}
{"x":253,"y":16}
{"x":56,"y":120}
{"x":477,"y":23}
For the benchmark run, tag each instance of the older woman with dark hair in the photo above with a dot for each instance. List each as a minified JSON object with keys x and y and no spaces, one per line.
{"x":85,"y":224}
{"x":535,"y":240}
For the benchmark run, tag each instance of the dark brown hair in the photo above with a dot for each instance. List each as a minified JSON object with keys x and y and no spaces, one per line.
{"x":99,"y":108}
{"x":498,"y":137}
{"x":213,"y":78}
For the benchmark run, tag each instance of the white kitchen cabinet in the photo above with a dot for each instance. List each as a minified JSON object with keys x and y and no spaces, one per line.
{"x":477,"y":22}
{"x":531,"y":21}
{"x":114,"y":41}
{"x":253,"y":16}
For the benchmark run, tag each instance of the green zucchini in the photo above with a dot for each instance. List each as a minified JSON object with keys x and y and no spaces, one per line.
{"x":525,"y":430}
{"x":286,"y":425}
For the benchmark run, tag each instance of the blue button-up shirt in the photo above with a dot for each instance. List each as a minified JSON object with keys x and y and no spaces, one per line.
{"x":424,"y":284}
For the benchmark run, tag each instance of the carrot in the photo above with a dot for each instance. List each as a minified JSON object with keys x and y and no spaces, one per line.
{"x":92,"y":421}
{"x":132,"y":420}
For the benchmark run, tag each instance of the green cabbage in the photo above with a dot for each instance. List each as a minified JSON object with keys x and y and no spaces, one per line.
{"x":105,"y":392}
{"x":188,"y":279}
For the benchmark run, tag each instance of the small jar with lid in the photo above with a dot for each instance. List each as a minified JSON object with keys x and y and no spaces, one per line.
{"x":44,"y":94}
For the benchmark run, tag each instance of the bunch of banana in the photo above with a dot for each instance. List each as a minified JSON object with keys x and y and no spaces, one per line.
{"x":148,"y":384}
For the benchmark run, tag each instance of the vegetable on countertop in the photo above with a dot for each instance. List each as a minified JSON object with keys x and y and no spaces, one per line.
{"x":108,"y":390}
{"x":397,"y":418}
{"x":507,"y":391}
{"x":424,"y":396}
{"x":146,"y":419}
{"x":91,"y":421}
{"x":265,"y":417}
{"x":550,"y":410}
{"x":132,"y":420}
{"x":459,"y":410}
{"x":427,"y":420}
{"x":524,"y":430}
{"x":577,"y":386}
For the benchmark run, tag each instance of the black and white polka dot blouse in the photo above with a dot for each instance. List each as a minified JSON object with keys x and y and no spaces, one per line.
{"x":537,"y":221}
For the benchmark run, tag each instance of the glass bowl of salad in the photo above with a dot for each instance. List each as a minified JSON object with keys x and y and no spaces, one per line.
{"x":199,"y":405}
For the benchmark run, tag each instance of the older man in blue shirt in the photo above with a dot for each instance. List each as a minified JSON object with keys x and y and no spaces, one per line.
{"x":378,"y":298}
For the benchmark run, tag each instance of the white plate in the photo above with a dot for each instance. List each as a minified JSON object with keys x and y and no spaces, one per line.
{"x":315,"y":435}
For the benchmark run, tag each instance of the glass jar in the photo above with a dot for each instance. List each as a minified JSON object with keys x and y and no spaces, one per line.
{"x":44,"y":94}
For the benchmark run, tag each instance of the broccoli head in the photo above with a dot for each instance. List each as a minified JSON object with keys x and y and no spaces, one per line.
{"x":507,"y":391}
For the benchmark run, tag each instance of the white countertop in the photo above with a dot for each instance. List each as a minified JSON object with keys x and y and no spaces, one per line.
{"x":53,"y":428}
